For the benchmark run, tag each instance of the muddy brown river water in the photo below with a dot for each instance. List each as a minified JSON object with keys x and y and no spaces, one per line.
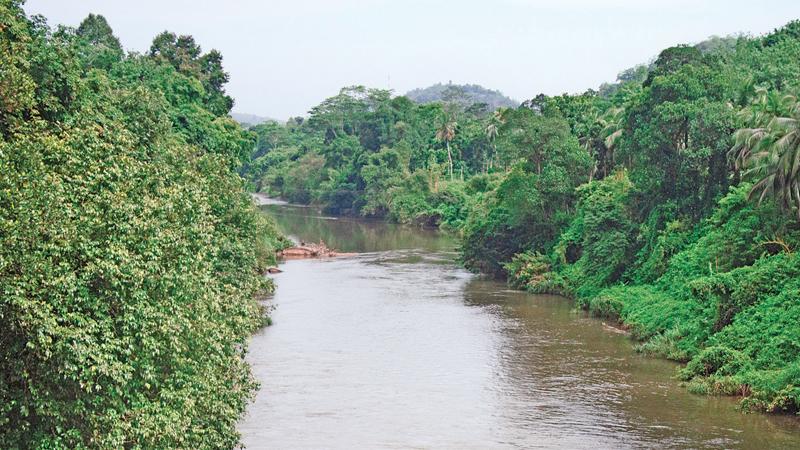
{"x":399,"y":347}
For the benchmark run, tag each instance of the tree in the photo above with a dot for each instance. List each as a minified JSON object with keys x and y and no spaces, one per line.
{"x":491,"y":130}
{"x":186,"y":56}
{"x":214,"y":79}
{"x":612,"y":128}
{"x":96,"y":30}
{"x":671,"y":60}
{"x":17,"y":84}
{"x":446,"y":132}
{"x":105,"y":47}
{"x":526,"y":136}
{"x":179,"y":51}
{"x":769,"y":151}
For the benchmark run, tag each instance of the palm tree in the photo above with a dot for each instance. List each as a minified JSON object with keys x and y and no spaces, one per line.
{"x":769,"y":151}
{"x":765,"y":106}
{"x":612,"y":131}
{"x":492,"y":129}
{"x":491,"y":135}
{"x":611,"y":124}
{"x":446,"y":132}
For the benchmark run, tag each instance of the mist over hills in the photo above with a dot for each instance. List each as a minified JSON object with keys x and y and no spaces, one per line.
{"x":472,"y":93}
{"x":246,"y":119}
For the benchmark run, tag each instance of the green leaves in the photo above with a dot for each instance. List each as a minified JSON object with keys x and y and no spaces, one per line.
{"x":130,"y":256}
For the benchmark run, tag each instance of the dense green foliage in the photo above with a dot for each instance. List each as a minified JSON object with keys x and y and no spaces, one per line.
{"x":677,"y":244}
{"x":364,"y":152}
{"x":130,"y":255}
{"x":668,"y":200}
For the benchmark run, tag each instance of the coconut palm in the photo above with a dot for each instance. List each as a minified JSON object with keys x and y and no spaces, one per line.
{"x":612,"y":129}
{"x":610,"y":124}
{"x":769,"y":151}
{"x":765,"y":106}
{"x":492,"y":130}
{"x":446,"y":132}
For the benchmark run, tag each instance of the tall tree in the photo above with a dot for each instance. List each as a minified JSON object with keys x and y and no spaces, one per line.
{"x":612,"y":122}
{"x":491,"y":130}
{"x":446,"y":132}
{"x":97,"y":31}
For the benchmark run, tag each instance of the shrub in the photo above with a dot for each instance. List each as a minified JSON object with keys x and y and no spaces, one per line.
{"x":532,"y":272}
{"x":715,"y":360}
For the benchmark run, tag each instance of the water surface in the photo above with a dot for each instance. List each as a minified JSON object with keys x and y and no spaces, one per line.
{"x":399,"y":347}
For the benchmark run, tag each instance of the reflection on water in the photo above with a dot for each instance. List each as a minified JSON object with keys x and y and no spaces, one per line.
{"x":399,"y":347}
{"x":352,"y":235}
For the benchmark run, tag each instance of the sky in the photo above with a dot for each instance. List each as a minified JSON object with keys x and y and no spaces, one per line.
{"x":286,"y":56}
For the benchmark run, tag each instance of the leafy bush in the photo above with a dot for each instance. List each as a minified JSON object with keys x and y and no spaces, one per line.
{"x":715,"y":360}
{"x":665,"y":345}
{"x":532,"y":272}
{"x":776,"y":390}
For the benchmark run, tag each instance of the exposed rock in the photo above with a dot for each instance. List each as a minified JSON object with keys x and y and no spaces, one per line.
{"x":305,"y":250}
{"x":262,"y":200}
{"x":615,"y":329}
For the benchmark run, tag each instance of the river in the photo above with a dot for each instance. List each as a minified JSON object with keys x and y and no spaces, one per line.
{"x":399,"y":347}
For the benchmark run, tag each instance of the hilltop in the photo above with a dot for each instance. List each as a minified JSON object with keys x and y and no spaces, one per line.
{"x":472,"y":93}
{"x":246,"y":119}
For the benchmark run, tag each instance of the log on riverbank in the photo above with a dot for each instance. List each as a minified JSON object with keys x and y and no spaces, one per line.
{"x":305,"y":250}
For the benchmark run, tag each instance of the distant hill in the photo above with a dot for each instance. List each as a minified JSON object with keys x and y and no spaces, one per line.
{"x":250,"y":119}
{"x":473,"y":93}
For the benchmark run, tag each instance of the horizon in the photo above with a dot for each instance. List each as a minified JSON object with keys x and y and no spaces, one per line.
{"x":385,"y":49}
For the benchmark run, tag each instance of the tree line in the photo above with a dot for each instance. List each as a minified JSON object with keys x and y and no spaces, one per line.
{"x":130,"y":253}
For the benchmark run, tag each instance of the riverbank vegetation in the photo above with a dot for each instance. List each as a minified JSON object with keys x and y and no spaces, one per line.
{"x":130,"y":254}
{"x":667,"y":200}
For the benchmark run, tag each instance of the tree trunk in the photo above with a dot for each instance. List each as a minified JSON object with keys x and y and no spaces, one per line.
{"x":449,"y":159}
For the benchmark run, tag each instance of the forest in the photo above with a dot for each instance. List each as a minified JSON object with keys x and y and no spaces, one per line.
{"x":131,"y":256}
{"x":667,"y":201}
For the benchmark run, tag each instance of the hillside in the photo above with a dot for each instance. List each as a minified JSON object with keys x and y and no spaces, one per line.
{"x":472,"y":93}
{"x":246,"y":119}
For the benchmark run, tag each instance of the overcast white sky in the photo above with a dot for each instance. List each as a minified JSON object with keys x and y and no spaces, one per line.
{"x":286,"y":56}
